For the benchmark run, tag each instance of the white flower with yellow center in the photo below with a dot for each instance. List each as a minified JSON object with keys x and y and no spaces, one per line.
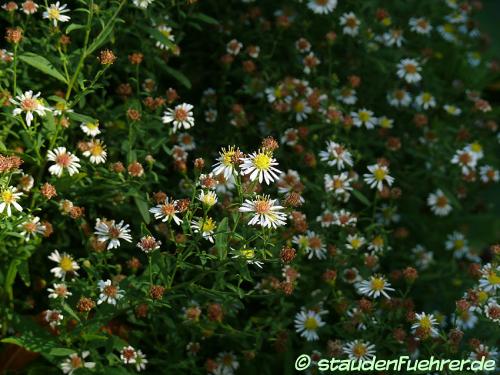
{"x":465,"y":319}
{"x":355,"y":242}
{"x":260,"y":166}
{"x":312,"y":244}
{"x":425,"y":325}
{"x":208,"y":199}
{"x":63,"y":160}
{"x":225,"y":162}
{"x":489,"y":174}
{"x":96,"y":151}
{"x":425,"y":100}
{"x":8,"y":198}
{"x":59,"y":291}
{"x":385,"y":123}
{"x":322,"y":6}
{"x":359,"y":350}
{"x":452,"y":109}
{"x":378,"y":174}
{"x":143,"y":3}
{"x":399,"y":98}
{"x":439,"y":203}
{"x":30,"y":104}
{"x":476,"y":149}
{"x":307,"y":323}
{"x":55,"y":13}
{"x":65,"y":264}
{"x":205,"y":226}
{"x":166,"y":31}
{"x":112,"y":232}
{"x":336,"y":155}
{"x":409,"y":70}
{"x":338,"y":184}
{"x":248,"y":255}
{"x":265,"y":212}
{"x":181,"y":116}
{"x":490,"y":279}
{"x":465,"y":159}
{"x":374,"y":287}
{"x":364,"y":117}
{"x":457,"y":243}
{"x":90,"y":128}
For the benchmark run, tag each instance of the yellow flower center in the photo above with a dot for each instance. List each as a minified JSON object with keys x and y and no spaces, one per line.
{"x":364,"y":116}
{"x":248,"y":253}
{"x":8,"y":196}
{"x":66,"y":263}
{"x":311,"y":324}
{"x":493,"y":278}
{"x":54,"y":13}
{"x":458,"y":244}
{"x":359,"y":350}
{"x":208,"y":225}
{"x":379,"y":174}
{"x":426,"y":323}
{"x":355,"y":243}
{"x":378,"y":284}
{"x":262,"y":161}
{"x":96,"y":149}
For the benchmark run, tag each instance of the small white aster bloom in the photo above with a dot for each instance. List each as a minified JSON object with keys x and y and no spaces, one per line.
{"x":465,"y":319}
{"x":30,"y":104}
{"x":399,"y":98}
{"x":65,"y":264}
{"x":490,"y":278}
{"x":425,"y":100}
{"x":228,"y":363}
{"x":166,"y":211}
{"x":322,"y":6}
{"x":483,"y":352}
{"x":378,"y":174}
{"x":375,"y":286}
{"x":439,"y":203}
{"x":225,"y":162}
{"x":457,"y":243}
{"x":205,"y":226}
{"x":265,"y":212}
{"x":143,"y":3}
{"x":355,"y":242}
{"x":148,"y":244}
{"x":112,"y":232}
{"x":166,"y":31}
{"x":31,"y":227}
{"x":248,"y":255}
{"x":350,"y":24}
{"x":312,"y":244}
{"x":452,"y":109}
{"x":63,"y":160}
{"x":53,"y":317}
{"x":465,"y":159}
{"x":336,"y":155}
{"x":96,"y":151}
{"x":260,"y":166}
{"x":420,"y":25}
{"x":59,"y":291}
{"x":208,"y":199}
{"x":364,"y":117}
{"x":90,"y":128}
{"x":55,"y":13}
{"x":425,"y":324}
{"x":8,"y":198}
{"x":492,"y":311}
{"x":109,"y":293}
{"x":181,"y":116}
{"x":359,"y":350}
{"x":30,"y":7}
{"x":338,"y":184}
{"x":75,"y":362}
{"x":488,"y":174}
{"x":409,"y":70}
{"x":307,"y":323}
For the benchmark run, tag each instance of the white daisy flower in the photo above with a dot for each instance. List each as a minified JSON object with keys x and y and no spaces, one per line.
{"x":425,"y":325}
{"x":53,"y":317}
{"x":423,"y":258}
{"x":452,"y":109}
{"x":143,"y":3}
{"x":409,"y":70}
{"x":167,"y":33}
{"x":475,"y":149}
{"x":248,"y":255}
{"x":8,"y":198}
{"x":234,"y":47}
{"x":75,"y":362}
{"x":181,"y":116}
{"x":378,"y":174}
{"x":307,"y":323}
{"x":336,"y":155}
{"x":31,"y":227}
{"x":134,"y":357}
{"x":425,"y":100}
{"x":311,"y":244}
{"x":166,"y":211}
{"x":148,"y":244}
{"x":55,"y":13}
{"x":109,"y":293}
{"x":204,"y":226}
{"x":90,"y":128}
{"x":399,"y":98}
{"x":492,"y":311}
{"x":208,"y":199}
{"x":490,"y":279}
{"x":439,"y":203}
{"x":260,"y":166}
{"x":350,"y":24}
{"x":385,"y":123}
{"x":30,"y":104}
{"x":347,"y":95}
{"x":483,"y":351}
{"x":374,"y":287}
{"x":109,"y":231}
{"x":359,"y":350}
{"x":420,"y":25}
{"x":63,"y":160}
{"x":465,"y":319}
{"x":355,"y":242}
{"x":457,"y":243}
{"x":228,"y":363}
{"x":338,"y":184}
{"x":322,"y":6}
{"x":66,"y":264}
{"x":59,"y":291}
{"x":265,"y":212}
{"x":393,"y":37}
{"x":226,"y":162}
{"x":364,"y":117}
{"x":488,"y":174}
{"x":465,"y":159}
{"x":96,"y":151}
{"x":345,"y":218}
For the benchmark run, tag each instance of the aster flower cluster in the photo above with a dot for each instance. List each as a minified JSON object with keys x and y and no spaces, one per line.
{"x":189,"y":187}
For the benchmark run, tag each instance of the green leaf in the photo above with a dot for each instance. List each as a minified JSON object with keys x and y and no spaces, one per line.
{"x":161,"y":38}
{"x":42,"y":64}
{"x":80,"y":117}
{"x":221,"y":238}
{"x":207,"y":19}
{"x":60,"y":352}
{"x":178,"y":76}
{"x":361,"y":197}
{"x":74,"y":26}
{"x":24,"y":272}
{"x":143,"y":208}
